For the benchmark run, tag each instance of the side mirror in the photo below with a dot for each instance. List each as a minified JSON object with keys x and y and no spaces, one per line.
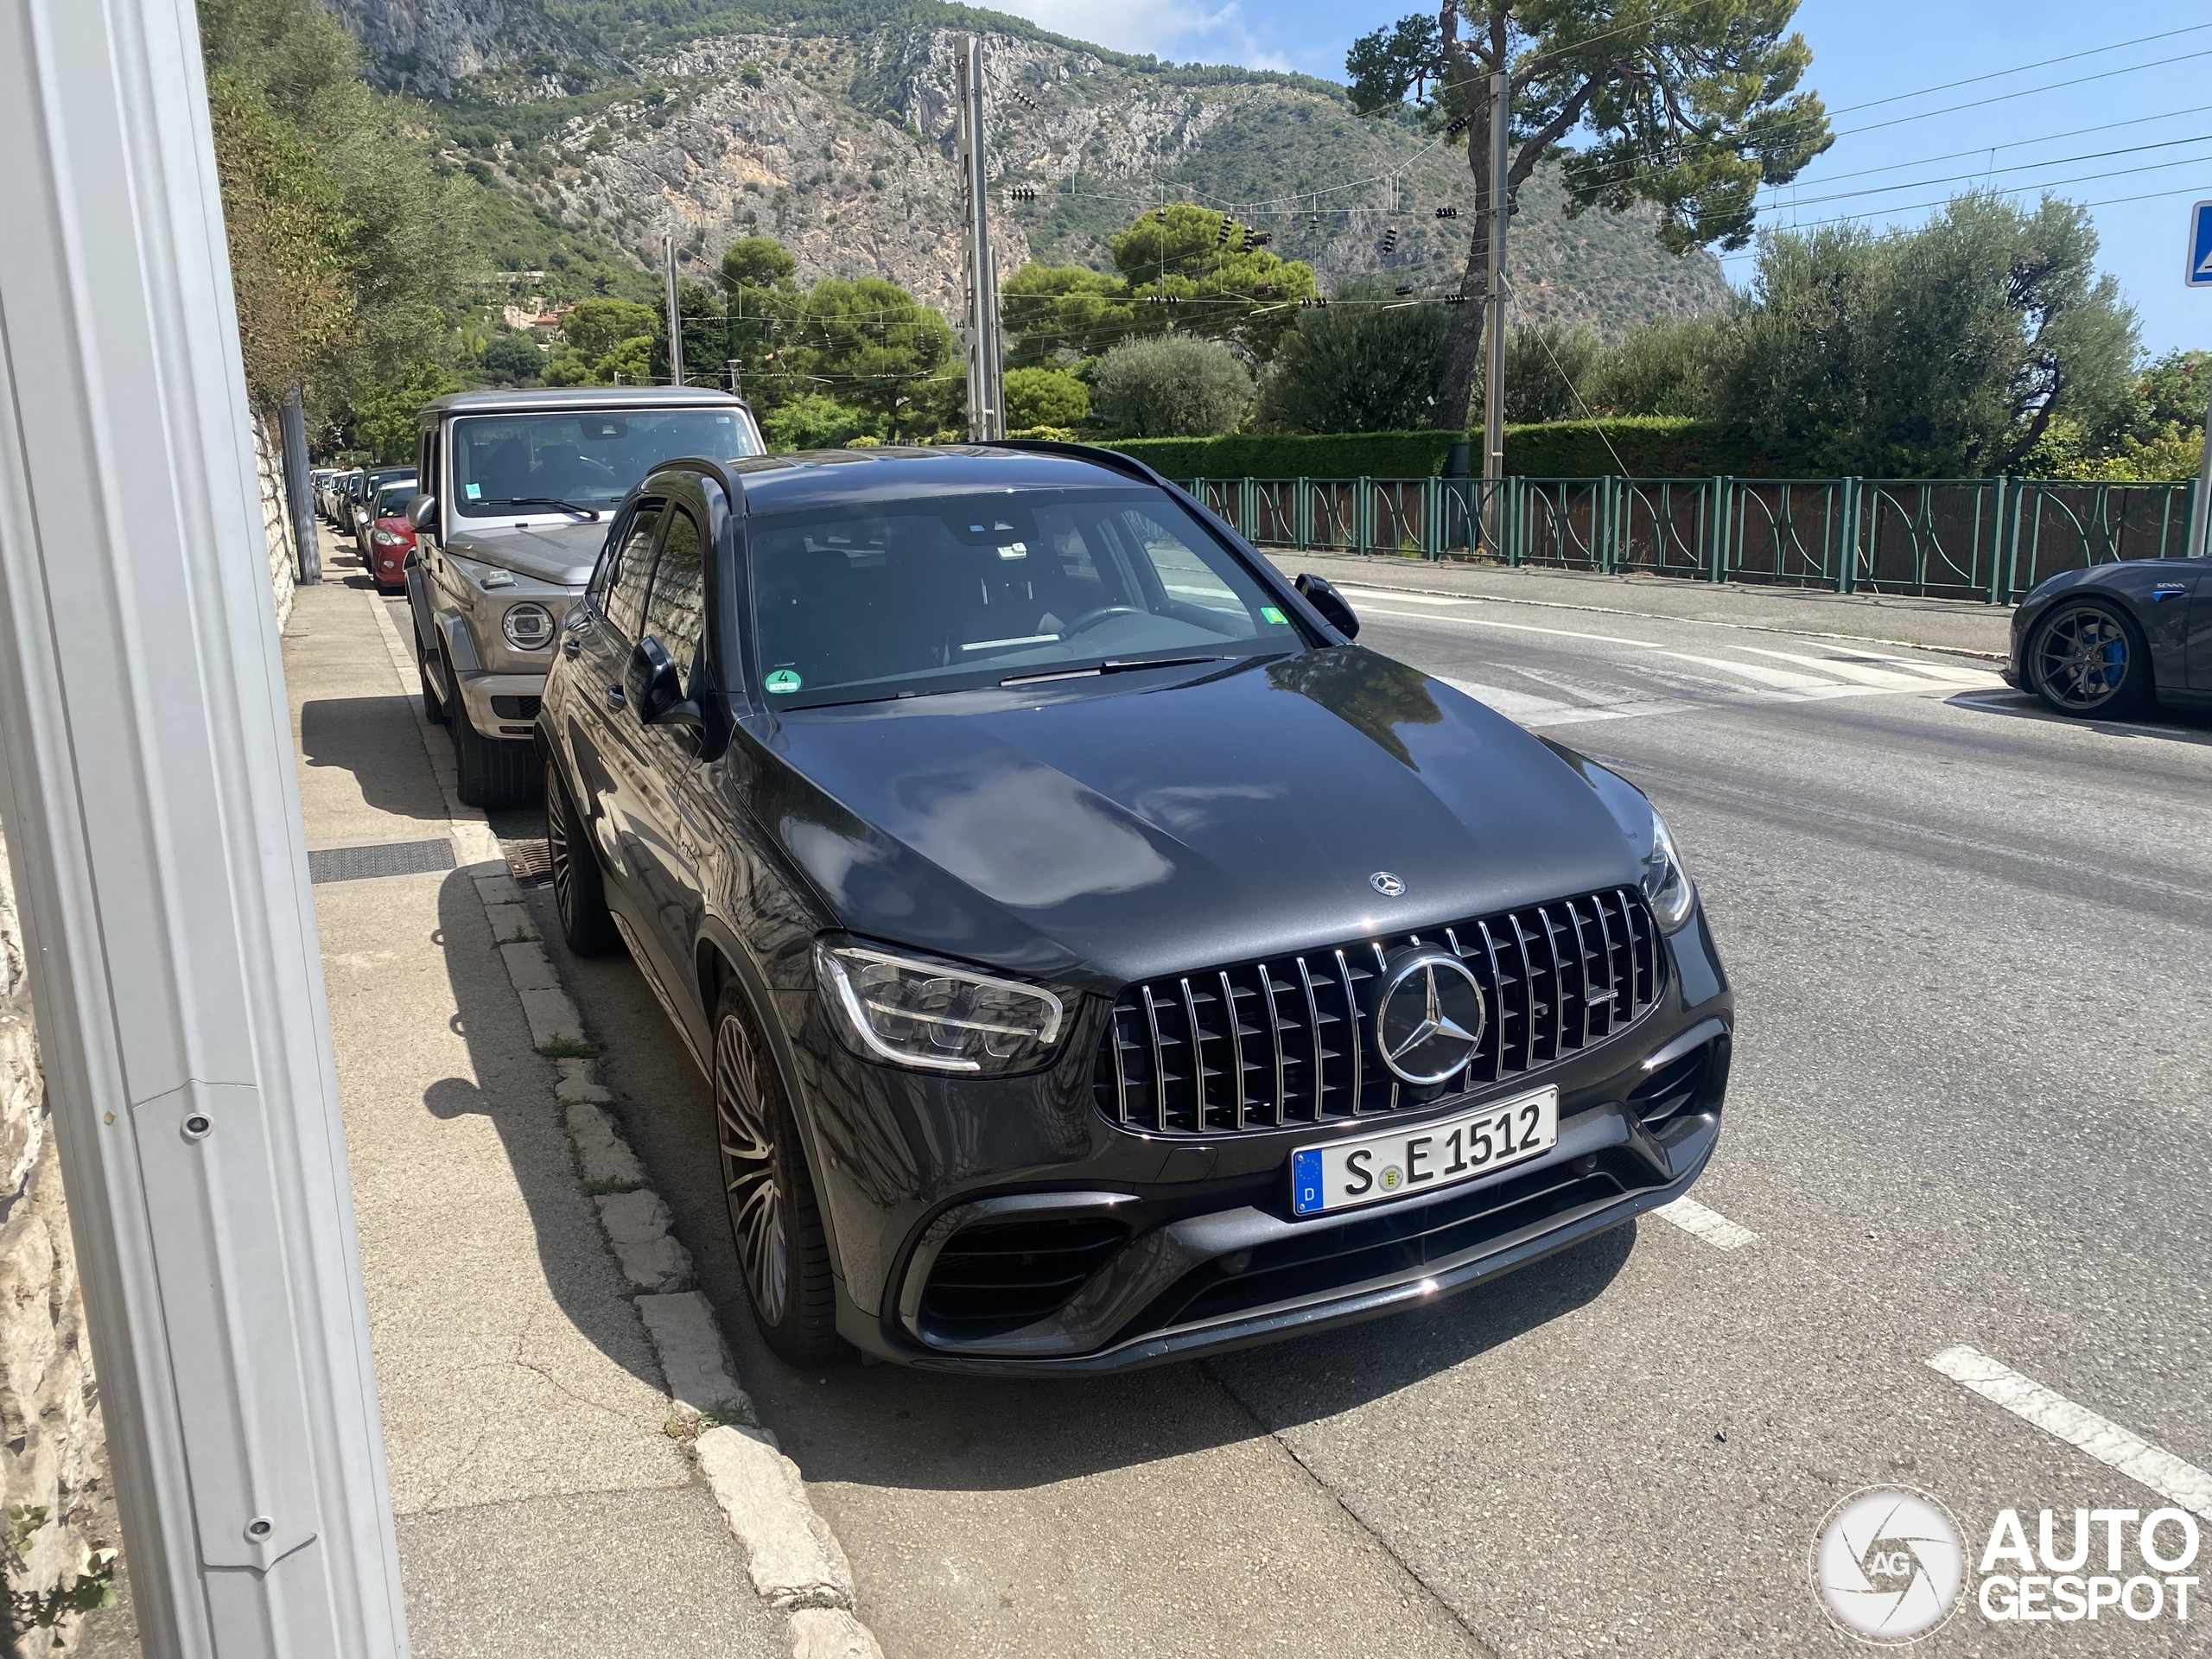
{"x":1335,"y":609}
{"x":422,"y":512}
{"x":650,"y":683}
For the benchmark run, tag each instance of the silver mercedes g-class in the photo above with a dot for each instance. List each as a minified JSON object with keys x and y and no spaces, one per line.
{"x":517,"y":490}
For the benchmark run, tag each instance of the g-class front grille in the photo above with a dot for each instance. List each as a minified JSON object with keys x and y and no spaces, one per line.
{"x":1288,"y":1041}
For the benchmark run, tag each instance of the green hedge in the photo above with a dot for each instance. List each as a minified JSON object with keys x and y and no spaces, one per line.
{"x":1650,"y":446}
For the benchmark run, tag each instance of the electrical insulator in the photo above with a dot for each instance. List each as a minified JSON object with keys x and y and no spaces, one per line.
{"x":1455,"y":299}
{"x":1456,"y":128}
{"x":1227,"y":226}
{"x":1251,"y":239}
{"x":1023,"y":192}
{"x":1264,"y":291}
{"x":1308,"y":305}
{"x":1264,"y":240}
{"x":1447,"y":212}
{"x":1022,"y":98}
{"x":1390,"y":239}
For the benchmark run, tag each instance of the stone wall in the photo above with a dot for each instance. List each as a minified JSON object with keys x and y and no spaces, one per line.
{"x":52,"y":1453}
{"x":60,"y":1517}
{"x":276,"y":521}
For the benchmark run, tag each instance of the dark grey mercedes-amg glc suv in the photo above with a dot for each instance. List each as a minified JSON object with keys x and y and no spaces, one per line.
{"x":1096,"y":955}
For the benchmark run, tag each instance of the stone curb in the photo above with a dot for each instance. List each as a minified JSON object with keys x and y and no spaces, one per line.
{"x":794,"y":1559}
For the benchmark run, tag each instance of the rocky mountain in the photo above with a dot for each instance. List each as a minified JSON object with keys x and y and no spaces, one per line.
{"x":831,"y":128}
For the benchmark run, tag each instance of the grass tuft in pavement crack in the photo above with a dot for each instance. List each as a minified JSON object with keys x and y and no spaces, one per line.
{"x":568,"y":1048}
{"x":607,"y":1189}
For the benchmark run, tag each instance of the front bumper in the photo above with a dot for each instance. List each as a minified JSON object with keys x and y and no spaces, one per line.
{"x":945,"y":1195}
{"x":514,"y":712}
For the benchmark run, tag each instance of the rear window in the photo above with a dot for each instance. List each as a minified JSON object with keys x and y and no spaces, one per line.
{"x":946,"y":594}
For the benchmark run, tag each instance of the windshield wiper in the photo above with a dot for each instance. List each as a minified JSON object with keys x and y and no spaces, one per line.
{"x":588,"y":513}
{"x":1112,"y":665}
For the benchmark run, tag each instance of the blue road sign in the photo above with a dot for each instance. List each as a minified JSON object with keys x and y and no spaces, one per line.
{"x":2200,"y":246}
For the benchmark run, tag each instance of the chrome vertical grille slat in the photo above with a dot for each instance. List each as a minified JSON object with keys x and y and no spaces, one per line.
{"x":1556,"y":978}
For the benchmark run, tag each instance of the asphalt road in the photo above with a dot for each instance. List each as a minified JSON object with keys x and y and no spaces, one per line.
{"x":1969,"y":1107}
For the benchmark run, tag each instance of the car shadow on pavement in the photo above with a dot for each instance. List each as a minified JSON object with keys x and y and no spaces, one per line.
{"x":2173,"y":725}
{"x":371,"y":738}
{"x":514,"y":1093}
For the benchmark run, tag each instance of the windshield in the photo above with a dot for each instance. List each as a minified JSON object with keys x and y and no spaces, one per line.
{"x":586,"y":459}
{"x":392,"y":498}
{"x":901,"y":598}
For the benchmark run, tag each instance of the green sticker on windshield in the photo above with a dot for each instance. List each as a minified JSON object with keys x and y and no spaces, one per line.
{"x":783,"y":681}
{"x":1272,"y":614}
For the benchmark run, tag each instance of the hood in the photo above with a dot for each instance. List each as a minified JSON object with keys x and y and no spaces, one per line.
{"x":1104,"y":835}
{"x":558,"y":553}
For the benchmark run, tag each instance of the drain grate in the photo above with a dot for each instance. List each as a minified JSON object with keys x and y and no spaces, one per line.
{"x":393,"y":858}
{"x":529,"y":862}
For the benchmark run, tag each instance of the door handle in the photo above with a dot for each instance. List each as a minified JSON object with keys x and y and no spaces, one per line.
{"x":572,"y":646}
{"x":615,"y":696}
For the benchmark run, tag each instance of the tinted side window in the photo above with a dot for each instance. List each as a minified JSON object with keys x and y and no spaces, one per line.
{"x":634,"y":570}
{"x":674,"y":614}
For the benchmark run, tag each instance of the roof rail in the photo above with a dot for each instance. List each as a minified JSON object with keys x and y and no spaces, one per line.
{"x":719,"y":471}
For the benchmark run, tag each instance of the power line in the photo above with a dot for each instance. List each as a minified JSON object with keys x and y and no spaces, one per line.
{"x":2021,"y":167}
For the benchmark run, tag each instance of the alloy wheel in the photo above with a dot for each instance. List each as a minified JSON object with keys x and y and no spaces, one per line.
{"x":749,"y":1184}
{"x":2081,"y":659}
{"x":560,"y":854}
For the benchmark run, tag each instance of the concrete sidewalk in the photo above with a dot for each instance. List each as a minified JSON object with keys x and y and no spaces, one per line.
{"x":1966,"y":627}
{"x":543,"y":1505}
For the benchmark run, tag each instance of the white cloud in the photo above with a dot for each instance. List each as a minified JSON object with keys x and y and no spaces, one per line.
{"x":1167,"y":28}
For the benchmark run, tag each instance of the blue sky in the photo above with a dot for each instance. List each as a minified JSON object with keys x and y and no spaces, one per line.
{"x":2039,"y":126}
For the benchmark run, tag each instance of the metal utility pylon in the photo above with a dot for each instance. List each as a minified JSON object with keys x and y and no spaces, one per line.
{"x":986,"y":404}
{"x":153,"y":819}
{"x":675,"y":313}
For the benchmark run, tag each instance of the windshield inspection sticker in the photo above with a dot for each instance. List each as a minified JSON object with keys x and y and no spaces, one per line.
{"x":474,"y":490}
{"x":783,"y":681}
{"x":1272,"y":614}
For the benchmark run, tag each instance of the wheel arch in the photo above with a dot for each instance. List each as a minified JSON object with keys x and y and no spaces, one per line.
{"x":720,"y":959}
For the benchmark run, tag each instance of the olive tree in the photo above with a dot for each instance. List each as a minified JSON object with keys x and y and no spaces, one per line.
{"x":1689,"y":109}
{"x":1175,"y":387}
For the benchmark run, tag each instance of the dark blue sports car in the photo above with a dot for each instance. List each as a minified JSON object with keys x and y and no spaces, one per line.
{"x":2114,"y":640}
{"x":1096,"y":955}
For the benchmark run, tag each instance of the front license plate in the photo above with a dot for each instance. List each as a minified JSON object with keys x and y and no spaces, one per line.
{"x":1396,"y":1163}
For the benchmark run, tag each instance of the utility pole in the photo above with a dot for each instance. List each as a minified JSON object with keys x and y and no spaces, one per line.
{"x":299,"y":489}
{"x":986,"y":408}
{"x":153,"y":819}
{"x":1501,"y":84}
{"x":2200,"y":522}
{"x":736,"y":369}
{"x":675,"y":317}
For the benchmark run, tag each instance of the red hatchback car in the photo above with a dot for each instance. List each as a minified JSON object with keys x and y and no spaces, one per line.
{"x":390,"y":540}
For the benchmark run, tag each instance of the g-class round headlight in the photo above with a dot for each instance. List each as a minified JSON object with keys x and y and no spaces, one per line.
{"x":934,"y":1016}
{"x":1667,"y":885}
{"x":528,"y":625}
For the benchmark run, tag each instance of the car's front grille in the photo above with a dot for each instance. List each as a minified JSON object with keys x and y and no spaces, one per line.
{"x":1285,"y":1040}
{"x":515,"y":708}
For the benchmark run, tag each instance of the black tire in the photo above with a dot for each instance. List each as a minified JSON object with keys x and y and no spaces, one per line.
{"x":2088,"y":660}
{"x":775,"y":1222}
{"x":432,"y":710}
{"x":579,"y":883}
{"x":491,"y":771}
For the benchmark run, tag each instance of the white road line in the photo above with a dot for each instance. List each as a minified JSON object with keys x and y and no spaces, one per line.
{"x":1782,"y":679}
{"x":1519,"y":627}
{"x":1399,"y":598}
{"x":1710,"y":1226}
{"x":1946,"y":672}
{"x":1527,"y":708}
{"x":1888,"y":678}
{"x":2183,"y":1484}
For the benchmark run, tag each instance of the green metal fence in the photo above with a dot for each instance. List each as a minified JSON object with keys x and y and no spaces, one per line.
{"x":1988,"y":538}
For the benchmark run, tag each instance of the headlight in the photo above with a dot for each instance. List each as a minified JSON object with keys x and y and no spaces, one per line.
{"x":528,"y":625}
{"x":1666,"y":883}
{"x":386,"y":537}
{"x":936,"y":1017}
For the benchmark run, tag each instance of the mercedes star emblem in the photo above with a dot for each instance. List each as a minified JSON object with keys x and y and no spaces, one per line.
{"x":1386,"y":884}
{"x":1429,"y":1016}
